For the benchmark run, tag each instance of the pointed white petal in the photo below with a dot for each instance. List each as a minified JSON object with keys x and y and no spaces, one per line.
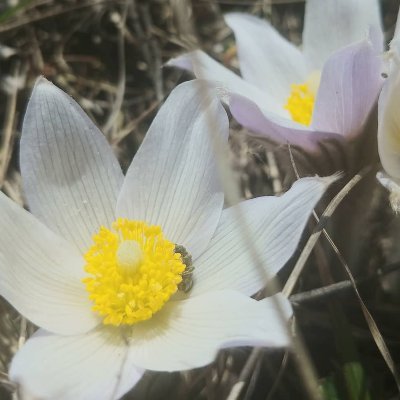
{"x":332,"y":24}
{"x":70,"y":176}
{"x":267,"y":60}
{"x":173,"y":179}
{"x":82,"y":367}
{"x":40,"y":273}
{"x":350,"y":83}
{"x":188,"y":334}
{"x":389,"y":125}
{"x":275,"y":224}
{"x":204,"y":67}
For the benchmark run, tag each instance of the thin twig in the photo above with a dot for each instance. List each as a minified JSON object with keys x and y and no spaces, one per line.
{"x":278,"y":379}
{"x":298,"y":268}
{"x":8,"y":127}
{"x":378,"y":338}
{"x":22,"y":332}
{"x":154,"y":50}
{"x":338,"y":287}
{"x":55,"y":11}
{"x":253,"y":380}
{"x":244,"y":374}
{"x":126,"y":130}
{"x":274,"y":173}
{"x":322,"y":292}
{"x":119,"y":98}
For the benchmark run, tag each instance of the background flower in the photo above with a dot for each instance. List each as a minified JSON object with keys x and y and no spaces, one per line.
{"x":321,"y":99}
{"x":331,"y":85}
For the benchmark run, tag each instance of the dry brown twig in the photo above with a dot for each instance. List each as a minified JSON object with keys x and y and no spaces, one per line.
{"x":8,"y":134}
{"x":320,"y":228}
{"x":110,"y":125}
{"x":289,"y":286}
{"x":153,"y":52}
{"x":132,"y":125}
{"x":330,"y":209}
{"x":373,"y":327}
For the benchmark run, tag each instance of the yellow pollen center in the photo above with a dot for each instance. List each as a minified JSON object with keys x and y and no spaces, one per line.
{"x":133,"y":271}
{"x":300,"y":102}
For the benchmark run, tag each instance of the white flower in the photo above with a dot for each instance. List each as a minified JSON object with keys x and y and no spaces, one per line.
{"x":389,"y":123}
{"x":389,"y":135}
{"x":302,"y":96}
{"x":50,"y":263}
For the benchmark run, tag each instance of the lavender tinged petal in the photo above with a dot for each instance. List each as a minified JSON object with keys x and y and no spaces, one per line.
{"x":350,"y":83}
{"x":274,"y":128}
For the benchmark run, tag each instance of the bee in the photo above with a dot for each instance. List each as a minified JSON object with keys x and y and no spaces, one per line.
{"x":187,"y":274}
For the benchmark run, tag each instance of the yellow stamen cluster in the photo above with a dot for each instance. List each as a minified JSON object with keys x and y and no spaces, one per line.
{"x":300,"y":103}
{"x":134,"y":271}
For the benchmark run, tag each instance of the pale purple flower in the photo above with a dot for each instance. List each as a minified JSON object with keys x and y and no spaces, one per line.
{"x":74,"y":185}
{"x":339,"y":65}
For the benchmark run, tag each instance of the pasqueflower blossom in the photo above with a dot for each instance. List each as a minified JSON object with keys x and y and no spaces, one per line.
{"x":104,"y":264}
{"x":389,"y":123}
{"x":389,"y":135}
{"x":323,"y":91}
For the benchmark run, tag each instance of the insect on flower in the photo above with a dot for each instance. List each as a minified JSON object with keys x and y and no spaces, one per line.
{"x":187,"y":274}
{"x":96,"y":265}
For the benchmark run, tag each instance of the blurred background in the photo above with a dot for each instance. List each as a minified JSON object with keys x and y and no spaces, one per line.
{"x":110,"y":55}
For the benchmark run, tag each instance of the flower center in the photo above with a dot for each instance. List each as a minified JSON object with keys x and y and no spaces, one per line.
{"x":300,"y":102}
{"x":133,"y":271}
{"x":129,"y":255}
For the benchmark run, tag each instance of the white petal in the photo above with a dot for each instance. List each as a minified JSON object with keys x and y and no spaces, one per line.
{"x":70,"y":176}
{"x":389,"y":125}
{"x":350,"y":83}
{"x":83,"y":367}
{"x":276,"y":225}
{"x":395,"y":42}
{"x":40,"y":273}
{"x":188,"y":334}
{"x":393,"y":186}
{"x":173,"y":179}
{"x":267,"y":60}
{"x":332,"y":24}
{"x":204,"y":67}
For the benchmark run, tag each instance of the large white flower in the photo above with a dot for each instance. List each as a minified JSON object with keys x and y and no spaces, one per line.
{"x":302,"y":96}
{"x":97,"y":266}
